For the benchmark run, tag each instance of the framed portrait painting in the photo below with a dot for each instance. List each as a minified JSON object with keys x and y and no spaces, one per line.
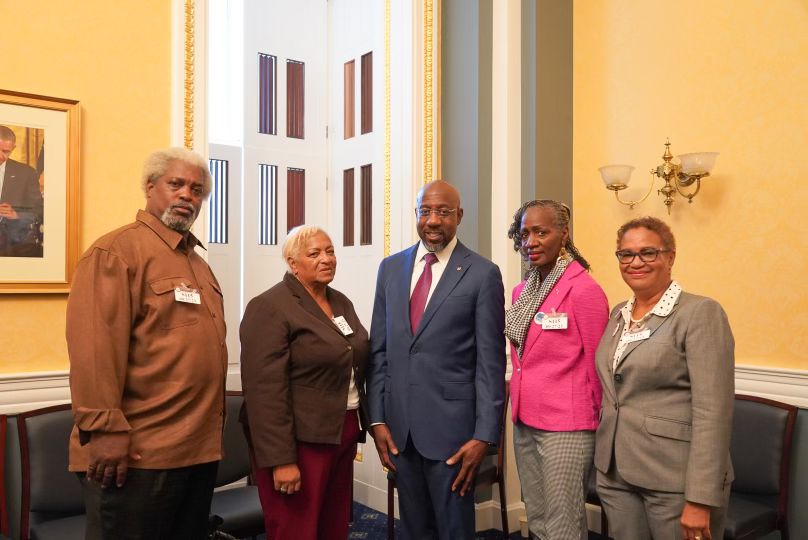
{"x":39,"y":192}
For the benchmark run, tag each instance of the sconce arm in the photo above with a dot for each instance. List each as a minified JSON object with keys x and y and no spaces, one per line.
{"x":631,"y":204}
{"x":684,"y":180}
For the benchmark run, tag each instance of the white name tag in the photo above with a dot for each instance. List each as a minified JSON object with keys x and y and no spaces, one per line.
{"x":555,"y":321}
{"x":343,"y":325}
{"x":631,"y":337}
{"x":189,"y":296}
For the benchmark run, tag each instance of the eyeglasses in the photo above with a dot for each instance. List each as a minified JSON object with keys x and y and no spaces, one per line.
{"x":646,"y":255}
{"x":442,"y":213}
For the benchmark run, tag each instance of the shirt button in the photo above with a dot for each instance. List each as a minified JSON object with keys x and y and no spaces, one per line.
{"x":618,"y":378}
{"x":350,"y":348}
{"x":519,"y":369}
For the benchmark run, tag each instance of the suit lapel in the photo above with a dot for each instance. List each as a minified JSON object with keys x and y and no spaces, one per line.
{"x":615,"y":329}
{"x":404,"y":286}
{"x":455,"y":269}
{"x":553,"y":300}
{"x":308,"y":304}
{"x":653,"y":325}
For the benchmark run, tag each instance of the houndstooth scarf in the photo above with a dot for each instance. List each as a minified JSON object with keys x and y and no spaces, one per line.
{"x":519,"y":316}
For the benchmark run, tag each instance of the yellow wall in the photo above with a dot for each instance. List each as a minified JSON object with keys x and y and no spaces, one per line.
{"x":727,"y":76}
{"x":114,"y":57}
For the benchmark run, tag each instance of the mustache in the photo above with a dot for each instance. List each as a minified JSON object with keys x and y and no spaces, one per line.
{"x":186,"y":206}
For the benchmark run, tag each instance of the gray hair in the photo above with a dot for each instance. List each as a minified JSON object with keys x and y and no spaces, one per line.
{"x":297,"y":238}
{"x":157,"y":164}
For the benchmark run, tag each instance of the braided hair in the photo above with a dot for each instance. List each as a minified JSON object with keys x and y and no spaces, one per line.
{"x":562,"y":214}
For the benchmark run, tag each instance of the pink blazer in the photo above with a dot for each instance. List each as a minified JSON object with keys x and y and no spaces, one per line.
{"x":554,"y":386}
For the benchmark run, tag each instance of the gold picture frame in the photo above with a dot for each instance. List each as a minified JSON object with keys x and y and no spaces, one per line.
{"x":39,"y":237}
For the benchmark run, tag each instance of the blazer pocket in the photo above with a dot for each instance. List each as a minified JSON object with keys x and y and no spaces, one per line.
{"x":668,"y":428}
{"x":459,"y":390}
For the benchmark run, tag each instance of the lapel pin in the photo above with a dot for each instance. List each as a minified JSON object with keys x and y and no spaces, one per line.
{"x":459,"y":268}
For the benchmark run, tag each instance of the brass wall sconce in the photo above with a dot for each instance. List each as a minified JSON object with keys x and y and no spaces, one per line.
{"x":691,"y":169}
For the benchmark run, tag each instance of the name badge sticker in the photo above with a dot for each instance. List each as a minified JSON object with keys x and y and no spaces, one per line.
{"x":343,"y":325}
{"x":187,"y":295}
{"x":554,"y":321}
{"x":631,"y":337}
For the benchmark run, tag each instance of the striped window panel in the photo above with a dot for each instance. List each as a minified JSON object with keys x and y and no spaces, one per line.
{"x":217,"y":203}
{"x":267,"y":205}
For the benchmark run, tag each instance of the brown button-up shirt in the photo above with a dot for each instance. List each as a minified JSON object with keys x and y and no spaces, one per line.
{"x":140,"y":360}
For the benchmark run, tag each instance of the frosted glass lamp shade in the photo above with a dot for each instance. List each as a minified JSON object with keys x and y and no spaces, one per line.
{"x":616,"y":174}
{"x":698,"y":162}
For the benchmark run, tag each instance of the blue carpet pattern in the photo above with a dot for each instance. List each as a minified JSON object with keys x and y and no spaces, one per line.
{"x":370,"y":524}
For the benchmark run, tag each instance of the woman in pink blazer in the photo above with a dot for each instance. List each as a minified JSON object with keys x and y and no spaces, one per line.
{"x":554,"y":326}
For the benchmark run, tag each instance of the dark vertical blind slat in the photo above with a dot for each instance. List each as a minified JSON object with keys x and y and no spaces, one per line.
{"x":267,"y":94}
{"x":295,"y":94}
{"x":348,"y":207}
{"x":366,"y":234}
{"x":295,"y":198}
{"x":367,"y":92}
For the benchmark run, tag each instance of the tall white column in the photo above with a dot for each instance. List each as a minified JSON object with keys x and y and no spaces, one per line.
{"x":506,"y":135}
{"x":506,"y":148}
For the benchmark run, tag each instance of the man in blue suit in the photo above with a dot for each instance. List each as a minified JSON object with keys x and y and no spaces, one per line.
{"x":436,"y":379}
{"x":21,"y":203}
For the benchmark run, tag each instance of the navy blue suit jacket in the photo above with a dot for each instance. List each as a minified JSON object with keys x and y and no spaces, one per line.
{"x":444,"y":385}
{"x":21,"y":191}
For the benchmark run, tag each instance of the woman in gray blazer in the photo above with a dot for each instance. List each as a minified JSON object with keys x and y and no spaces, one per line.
{"x":666,"y":362}
{"x":303,"y":358}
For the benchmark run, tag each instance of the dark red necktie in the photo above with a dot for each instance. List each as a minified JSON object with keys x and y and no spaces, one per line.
{"x":421,"y":292}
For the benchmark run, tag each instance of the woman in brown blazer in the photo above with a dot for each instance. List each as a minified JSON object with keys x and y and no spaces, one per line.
{"x":303,"y":357}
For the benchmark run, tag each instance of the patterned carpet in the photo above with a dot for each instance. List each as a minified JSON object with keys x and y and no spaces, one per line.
{"x":372,"y":525}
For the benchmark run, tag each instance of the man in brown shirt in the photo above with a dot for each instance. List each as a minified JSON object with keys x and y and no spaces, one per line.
{"x":146,"y":339}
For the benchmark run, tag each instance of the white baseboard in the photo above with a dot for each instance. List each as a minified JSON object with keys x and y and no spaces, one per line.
{"x":487,"y":513}
{"x":28,"y":391}
{"x":372,"y":496}
{"x":786,"y":385}
{"x":489,"y":516}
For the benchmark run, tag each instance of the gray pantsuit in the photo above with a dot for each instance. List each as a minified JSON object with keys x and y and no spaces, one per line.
{"x":666,"y":417}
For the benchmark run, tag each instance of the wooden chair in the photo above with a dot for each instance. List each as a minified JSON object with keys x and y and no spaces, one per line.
{"x":492,"y":471}
{"x":762,"y":431}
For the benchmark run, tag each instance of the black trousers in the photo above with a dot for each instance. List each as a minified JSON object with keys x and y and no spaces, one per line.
{"x":152,"y":505}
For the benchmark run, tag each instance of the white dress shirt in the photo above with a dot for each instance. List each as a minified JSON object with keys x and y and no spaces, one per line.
{"x":437,"y":267}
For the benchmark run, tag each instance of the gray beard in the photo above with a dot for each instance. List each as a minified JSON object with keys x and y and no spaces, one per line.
{"x":177,"y":223}
{"x":434,"y":248}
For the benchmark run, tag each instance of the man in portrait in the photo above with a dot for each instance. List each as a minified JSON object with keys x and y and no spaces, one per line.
{"x":21,"y":203}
